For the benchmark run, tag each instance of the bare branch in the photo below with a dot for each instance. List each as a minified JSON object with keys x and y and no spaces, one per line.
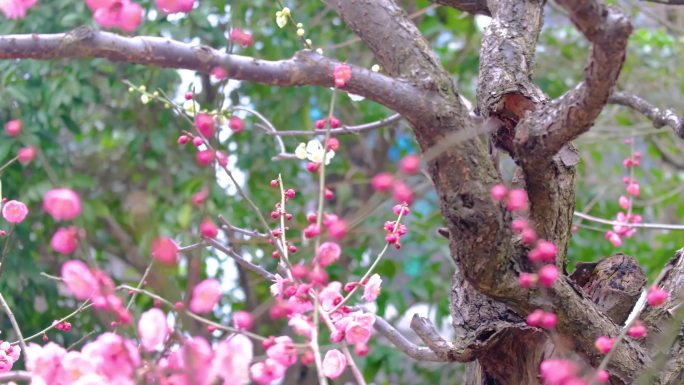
{"x":444,"y":349}
{"x":412,"y":350}
{"x":18,"y":375}
{"x":14,"y":323}
{"x":474,"y":7}
{"x":305,"y":68}
{"x":239,"y":259}
{"x":654,"y":226}
{"x":572,"y":114}
{"x":388,"y":121}
{"x":660,"y":118}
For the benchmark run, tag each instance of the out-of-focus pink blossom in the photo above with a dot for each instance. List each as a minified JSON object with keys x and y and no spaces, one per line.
{"x":78,"y":278}
{"x":16,"y":9}
{"x":267,"y":371}
{"x":382,"y":182}
{"x":125,"y":15}
{"x":65,"y":240}
{"x":62,"y":204}
{"x":233,"y":357}
{"x":173,"y":6}
{"x":328,"y":253}
{"x":153,"y":329}
{"x":205,"y":295}
{"x":410,"y":164}
{"x":165,"y":250}
{"x":25,"y":155}
{"x":557,"y":372}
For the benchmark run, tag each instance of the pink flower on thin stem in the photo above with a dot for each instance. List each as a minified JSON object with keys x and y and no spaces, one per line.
{"x":25,"y":155}
{"x":371,"y":289}
{"x":165,"y":250}
{"x":334,"y":363}
{"x":499,"y":192}
{"x":604,"y":344}
{"x":328,"y":253}
{"x":241,"y":37}
{"x":637,"y":330}
{"x":79,"y":279}
{"x":14,"y":211}
{"x":205,"y":295}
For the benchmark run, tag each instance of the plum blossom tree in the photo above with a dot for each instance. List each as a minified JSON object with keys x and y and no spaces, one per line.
{"x":518,"y":315}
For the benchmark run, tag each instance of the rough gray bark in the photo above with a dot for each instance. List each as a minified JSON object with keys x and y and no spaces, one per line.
{"x":487,"y":304}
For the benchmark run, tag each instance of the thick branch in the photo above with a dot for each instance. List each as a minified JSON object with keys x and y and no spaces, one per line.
{"x":608,"y":30}
{"x":660,"y":118}
{"x":444,"y":349}
{"x":305,"y":68}
{"x":471,"y":6}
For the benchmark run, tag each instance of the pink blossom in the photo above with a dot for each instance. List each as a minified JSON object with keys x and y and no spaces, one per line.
{"x":602,"y":376}
{"x":410,"y":164}
{"x":330,"y":296}
{"x":402,"y":193}
{"x":200,"y":197}
{"x":208,"y":229}
{"x":205,"y":158}
{"x":527,"y":280}
{"x":173,"y":6}
{"x":25,"y":155}
{"x":79,"y":279}
{"x":45,"y":362}
{"x":604,"y":344}
{"x":204,"y":123}
{"x":243,"y":320}
{"x":656,"y":296}
{"x":334,"y":363}
{"x":79,"y":369}
{"x":535,"y":318}
{"x":123,"y":14}
{"x":283,"y":351}
{"x":499,"y":192}
{"x":633,"y":189}
{"x":529,"y":236}
{"x":301,"y":325}
{"x":357,"y":332}
{"x":518,"y":225}
{"x":165,"y":250}
{"x":328,"y":253}
{"x":62,"y":204}
{"x":233,"y":357}
{"x":557,"y":372}
{"x":342,"y":73}
{"x":624,"y":202}
{"x":548,"y":275}
{"x":267,"y":371}
{"x":153,"y":329}
{"x":219,"y":73}
{"x":337,"y":229}
{"x":544,"y":252}
{"x":517,"y":200}
{"x":382,"y":182}
{"x":371,"y":289}
{"x":236,"y":124}
{"x":65,"y":240}
{"x":614,"y":238}
{"x":311,"y":231}
{"x":117,"y":358}
{"x":8,"y":356}
{"x":16,"y":9}
{"x":637,"y":330}
{"x":205,"y":295}
{"x":549,"y":321}
{"x":191,"y":364}
{"x":241,"y":37}
{"x":14,"y":211}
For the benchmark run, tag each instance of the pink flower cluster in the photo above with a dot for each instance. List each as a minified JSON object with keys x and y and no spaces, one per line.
{"x":85,"y":283}
{"x":401,"y":192}
{"x":110,"y":359}
{"x":8,"y":356}
{"x":623,"y":230}
{"x":63,"y":205}
{"x":336,"y":227}
{"x":540,"y":318}
{"x":516,"y":199}
{"x":241,"y":37}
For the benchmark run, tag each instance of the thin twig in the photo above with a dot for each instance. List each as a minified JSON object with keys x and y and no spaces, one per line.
{"x":655,"y":226}
{"x":14,"y":323}
{"x":85,"y":305}
{"x":388,"y":121}
{"x":241,"y":261}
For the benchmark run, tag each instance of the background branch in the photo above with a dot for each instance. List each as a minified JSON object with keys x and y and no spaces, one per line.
{"x":660,"y":118}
